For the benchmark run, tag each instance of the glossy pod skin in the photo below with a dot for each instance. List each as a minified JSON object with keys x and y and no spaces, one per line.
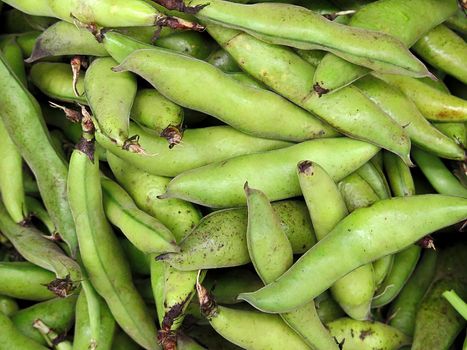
{"x":439,"y":176}
{"x":58,"y":313}
{"x":23,"y":120}
{"x":291,"y":76}
{"x":56,"y":81}
{"x":199,"y":147}
{"x":224,"y":61}
{"x":404,"y":308}
{"x":406,"y":114}
{"x":455,"y":131}
{"x":273,"y":171}
{"x":101,"y":254}
{"x":431,"y":213}
{"x":366,"y":335}
{"x":445,"y":50}
{"x":310,"y":30}
{"x":374,"y":176}
{"x":11,"y":338}
{"x":23,"y":280}
{"x":254,"y":111}
{"x":434,"y":104}
{"x":271,"y":254}
{"x":227,"y":245}
{"x":404,"y":20}
{"x":399,"y":176}
{"x":188,"y":42}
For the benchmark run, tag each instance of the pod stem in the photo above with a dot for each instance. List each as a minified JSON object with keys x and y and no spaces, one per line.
{"x":51,"y":337}
{"x":61,"y":287}
{"x":179,"y":5}
{"x":173,"y":134}
{"x":76,"y":63}
{"x":177,"y":23}
{"x":207,"y":303}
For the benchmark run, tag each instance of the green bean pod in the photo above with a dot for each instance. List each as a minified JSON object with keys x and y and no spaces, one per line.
{"x":246,"y":328}
{"x":457,"y":22}
{"x":15,"y":21}
{"x":366,"y":335}
{"x":123,"y":342}
{"x":58,"y":313}
{"x":23,"y":280}
{"x":437,"y":323}
{"x":247,"y":80}
{"x":139,"y":261}
{"x":274,"y":171}
{"x":8,"y":305}
{"x":38,"y":211}
{"x":404,"y":308}
{"x":327,"y":308}
{"x":56,"y":81}
{"x":11,"y":338}
{"x":406,"y":114}
{"x":102,"y":256}
{"x":310,"y":30}
{"x":27,"y":41}
{"x":65,"y":38}
{"x":402,"y":268}
{"x":200,"y":147}
{"x":95,"y":325}
{"x":381,"y":268}
{"x":261,"y":112}
{"x":186,"y":343}
{"x":11,"y":177}
{"x":376,"y":179}
{"x":445,"y":50}
{"x":224,"y":61}
{"x":399,"y":176}
{"x":374,"y":233}
{"x":145,"y":232}
{"x":14,"y":56}
{"x":434,"y":104}
{"x":407,"y":21}
{"x":188,"y":42}
{"x":439,"y":176}
{"x":271,"y":254}
{"x":291,"y":76}
{"x":227,"y":245}
{"x":455,"y":131}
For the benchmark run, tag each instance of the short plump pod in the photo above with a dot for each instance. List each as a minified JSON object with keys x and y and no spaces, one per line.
{"x":94,"y":325}
{"x":309,"y":30}
{"x":374,"y":176}
{"x":56,"y":81}
{"x":455,"y":131}
{"x":371,"y":233}
{"x":11,"y":337}
{"x":434,"y":104}
{"x":207,"y":89}
{"x":58,"y":313}
{"x":273,"y":171}
{"x":405,"y":113}
{"x":399,"y":176}
{"x":249,"y":329}
{"x":366,"y":335}
{"x":349,"y":111}
{"x":444,"y":50}
{"x":227,"y":245}
{"x":147,"y":233}
{"x":405,"y":20}
{"x":271,"y":254}
{"x":27,"y":41}
{"x":189,"y":43}
{"x":439,"y":176}
{"x":110,"y":96}
{"x":199,"y":147}
{"x":404,"y":308}
{"x":23,"y":280}
{"x":63,"y":38}
{"x":100,"y":252}
{"x":437,"y":323}
{"x":14,"y":56}
{"x":8,"y":305}
{"x":224,"y":61}
{"x":22,"y":117}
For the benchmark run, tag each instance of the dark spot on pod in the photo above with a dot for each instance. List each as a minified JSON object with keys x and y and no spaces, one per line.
{"x":179,"y":5}
{"x":305,"y":167}
{"x":320,"y":90}
{"x":61,"y":287}
{"x":87,"y":147}
{"x":365,"y":333}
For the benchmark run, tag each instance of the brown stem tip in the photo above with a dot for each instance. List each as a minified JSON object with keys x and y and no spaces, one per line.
{"x":61,"y":287}
{"x":179,"y":5}
{"x":173,"y":134}
{"x":320,"y":90}
{"x":305,"y":167}
{"x":87,"y":147}
{"x":207,"y":303}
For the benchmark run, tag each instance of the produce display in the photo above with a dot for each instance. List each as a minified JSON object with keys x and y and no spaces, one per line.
{"x":242,"y":174}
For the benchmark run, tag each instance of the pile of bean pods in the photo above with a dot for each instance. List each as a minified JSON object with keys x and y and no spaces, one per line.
{"x":210,"y":174}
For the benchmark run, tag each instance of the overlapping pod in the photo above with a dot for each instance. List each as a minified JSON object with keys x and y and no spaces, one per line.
{"x":22,"y":118}
{"x":349,"y":111}
{"x":362,"y":230}
{"x":254,"y":111}
{"x":407,"y":21}
{"x":309,"y":30}
{"x":101,"y":254}
{"x":8,"y":305}
{"x":273,"y":171}
{"x":11,"y":338}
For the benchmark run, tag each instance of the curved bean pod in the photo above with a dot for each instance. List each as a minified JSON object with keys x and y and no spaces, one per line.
{"x":444,"y":50}
{"x":274,"y":171}
{"x":366,"y":335}
{"x":38,"y":211}
{"x":399,"y":176}
{"x":186,"y":343}
{"x":260,"y":113}
{"x":14,"y":56}
{"x":139,"y":261}
{"x":11,"y":338}
{"x":406,"y":114}
{"x":15,"y":21}
{"x":188,"y":42}
{"x":455,"y":131}
{"x":415,"y":215}
{"x":439,"y":176}
{"x":224,"y":61}
{"x":227,"y":244}
{"x":8,"y":306}
{"x":102,"y":256}
{"x":381,"y":268}
{"x":23,"y":280}
{"x":458,"y":22}
{"x":407,"y":21}
{"x":310,"y":30}
{"x":375,"y":178}
{"x":404,"y":309}
{"x":291,"y":76}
